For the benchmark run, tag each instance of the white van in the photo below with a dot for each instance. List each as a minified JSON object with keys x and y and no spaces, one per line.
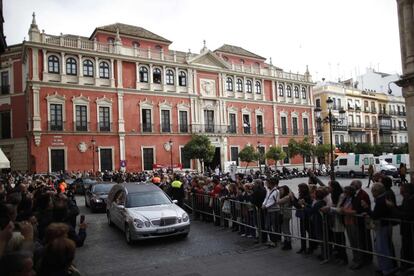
{"x":381,"y":165}
{"x":353,"y":164}
{"x":397,"y":159}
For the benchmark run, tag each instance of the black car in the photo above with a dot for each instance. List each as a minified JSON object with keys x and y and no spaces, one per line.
{"x":96,"y":195}
{"x":83,"y":184}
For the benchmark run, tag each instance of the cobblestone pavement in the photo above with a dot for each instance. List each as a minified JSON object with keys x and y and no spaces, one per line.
{"x":208,"y":250}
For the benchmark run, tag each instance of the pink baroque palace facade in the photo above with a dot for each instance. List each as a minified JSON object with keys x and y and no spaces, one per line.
{"x":123,"y":98}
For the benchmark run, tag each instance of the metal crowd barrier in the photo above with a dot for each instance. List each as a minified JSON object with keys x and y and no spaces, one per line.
{"x":335,"y":235}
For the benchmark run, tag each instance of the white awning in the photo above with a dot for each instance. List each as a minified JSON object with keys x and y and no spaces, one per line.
{"x":4,"y":162}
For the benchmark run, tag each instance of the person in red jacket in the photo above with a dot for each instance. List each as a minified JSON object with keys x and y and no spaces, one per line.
{"x":214,"y":200}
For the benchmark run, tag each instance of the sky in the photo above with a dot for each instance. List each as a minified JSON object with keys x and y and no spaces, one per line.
{"x":336,"y":39}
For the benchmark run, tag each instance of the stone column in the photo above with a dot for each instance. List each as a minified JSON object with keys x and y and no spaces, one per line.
{"x":119,"y":71}
{"x":406,"y":27}
{"x":136,"y":74}
{"x":112,"y":73}
{"x":63,"y":70}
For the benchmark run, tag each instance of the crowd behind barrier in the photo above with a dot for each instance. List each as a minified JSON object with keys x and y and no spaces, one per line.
{"x":39,"y":215}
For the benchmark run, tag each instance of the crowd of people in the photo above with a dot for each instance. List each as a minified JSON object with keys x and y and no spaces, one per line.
{"x":39,"y":216}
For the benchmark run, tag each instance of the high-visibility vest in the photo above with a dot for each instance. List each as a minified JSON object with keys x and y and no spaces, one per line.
{"x":176,"y":184}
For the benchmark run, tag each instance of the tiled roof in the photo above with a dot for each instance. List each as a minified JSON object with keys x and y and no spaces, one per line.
{"x":132,"y":31}
{"x":236,"y":50}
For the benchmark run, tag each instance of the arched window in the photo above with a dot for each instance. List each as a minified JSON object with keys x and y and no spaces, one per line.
{"x":111,"y":40}
{"x":71,"y":67}
{"x":281,"y":90}
{"x":170,"y":77}
{"x":182,"y":79}
{"x":143,"y":74}
{"x":296,"y":89}
{"x":239,"y":85}
{"x":53,"y":64}
{"x":158,"y":47}
{"x":249,"y":86}
{"x":87,"y":68}
{"x":225,"y":58}
{"x":229,"y":84}
{"x":156,"y":75}
{"x":258,"y":87}
{"x":135,"y":44}
{"x":289,"y":91}
{"x":104,"y":70}
{"x":303,"y":92}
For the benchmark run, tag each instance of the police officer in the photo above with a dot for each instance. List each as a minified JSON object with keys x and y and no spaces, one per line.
{"x":177,"y":190}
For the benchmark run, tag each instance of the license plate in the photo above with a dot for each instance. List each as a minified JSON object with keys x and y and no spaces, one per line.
{"x":165,"y":230}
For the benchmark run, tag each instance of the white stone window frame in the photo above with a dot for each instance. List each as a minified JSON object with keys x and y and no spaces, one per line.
{"x":154,"y":67}
{"x":49,"y":151}
{"x":281,"y":88}
{"x":81,"y":100}
{"x":10,"y":77}
{"x":59,"y":57}
{"x":56,"y":99}
{"x":154,"y":155}
{"x":232,"y":83}
{"x":180,"y":75}
{"x":251,"y":86}
{"x":246,"y":111}
{"x":238,"y":151}
{"x":259,"y":112}
{"x":173,"y":76}
{"x":305,"y":115}
{"x":180,"y":147}
{"x":296,"y":91}
{"x":283,"y":114}
{"x":98,"y":68}
{"x":186,"y":108}
{"x":233,"y":110}
{"x":68,"y":56}
{"x":264,"y":152}
{"x":304,"y":91}
{"x":261,"y":88}
{"x":293,"y":115}
{"x":112,"y":148}
{"x":93,"y":67}
{"x":148,"y":73}
{"x":165,"y":106}
{"x":104,"y":102}
{"x":146,"y":105}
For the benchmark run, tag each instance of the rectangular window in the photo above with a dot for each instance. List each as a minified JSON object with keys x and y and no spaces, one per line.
{"x":148,"y":158}
{"x":342,"y":139}
{"x":246,"y":123}
{"x":106,"y":159}
{"x":183,"y":122}
{"x":5,"y":125}
{"x":343,"y":162}
{"x":165,"y":121}
{"x":56,"y":119}
{"x":358,"y":121}
{"x":81,"y":118}
{"x":283,"y":125}
{"x":209,"y":121}
{"x":5,"y":87}
{"x":57,"y":160}
{"x":339,"y":103}
{"x":295,"y":126}
{"x":232,"y":123}
{"x":286,"y":160}
{"x":305,"y":126}
{"x":259,"y":119}
{"x":146,"y":120}
{"x":336,"y":140}
{"x":318,"y":102}
{"x":104,"y":119}
{"x":185,"y":162}
{"x":234,"y":154}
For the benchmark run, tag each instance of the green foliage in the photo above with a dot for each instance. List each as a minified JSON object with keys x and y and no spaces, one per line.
{"x":275,"y":153}
{"x":322,"y":150}
{"x":248,"y":154}
{"x":347,"y":147}
{"x":362,"y":148}
{"x":303,"y":148}
{"x":199,"y":147}
{"x":379,"y":149}
{"x":401,"y":149}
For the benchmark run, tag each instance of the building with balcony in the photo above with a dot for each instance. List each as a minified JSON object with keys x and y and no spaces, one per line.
{"x":370,"y":117}
{"x":118,"y":96}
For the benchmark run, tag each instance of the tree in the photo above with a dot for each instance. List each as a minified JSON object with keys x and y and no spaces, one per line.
{"x":379,"y":149}
{"x":248,"y":154}
{"x":200,"y":148}
{"x":320,"y":151}
{"x":302,"y":148}
{"x":275,"y":153}
{"x":347,"y":147}
{"x":362,"y":148}
{"x":401,"y":149}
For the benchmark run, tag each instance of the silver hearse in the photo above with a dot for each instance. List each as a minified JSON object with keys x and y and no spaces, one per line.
{"x":144,"y":211}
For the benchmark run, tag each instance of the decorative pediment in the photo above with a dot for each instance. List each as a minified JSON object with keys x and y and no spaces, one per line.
{"x":283,"y":113}
{"x":232,"y":109}
{"x":55,"y":97}
{"x":103,"y":101}
{"x":259,"y":111}
{"x":209,"y":59}
{"x":305,"y":114}
{"x":80,"y":99}
{"x":146,"y":103}
{"x":294,"y":114}
{"x":246,"y":110}
{"x":183,"y":105}
{"x":165,"y":104}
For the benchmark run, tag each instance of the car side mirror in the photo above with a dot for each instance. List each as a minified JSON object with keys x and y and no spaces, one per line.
{"x":121,"y":206}
{"x":175,"y":201}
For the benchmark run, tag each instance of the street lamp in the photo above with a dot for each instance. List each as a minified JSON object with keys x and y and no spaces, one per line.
{"x":93,"y":142}
{"x":260,"y":155}
{"x":170,"y":143}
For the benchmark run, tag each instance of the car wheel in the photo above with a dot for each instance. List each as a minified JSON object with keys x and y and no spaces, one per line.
{"x":108,"y":217}
{"x":351,"y":174}
{"x":383,"y":172}
{"x":128,"y":238}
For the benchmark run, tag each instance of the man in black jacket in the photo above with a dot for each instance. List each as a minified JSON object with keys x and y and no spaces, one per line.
{"x":257,"y":198}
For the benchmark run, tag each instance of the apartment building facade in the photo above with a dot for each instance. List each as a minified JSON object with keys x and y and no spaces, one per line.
{"x":122,"y":98}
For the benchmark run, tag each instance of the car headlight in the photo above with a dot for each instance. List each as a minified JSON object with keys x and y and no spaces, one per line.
{"x":185,"y":217}
{"x":138,"y":223}
{"x":97,"y":200}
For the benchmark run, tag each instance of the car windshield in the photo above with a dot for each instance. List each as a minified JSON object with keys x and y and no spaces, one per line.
{"x":102,"y":188}
{"x":383,"y":162}
{"x":147,"y":199}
